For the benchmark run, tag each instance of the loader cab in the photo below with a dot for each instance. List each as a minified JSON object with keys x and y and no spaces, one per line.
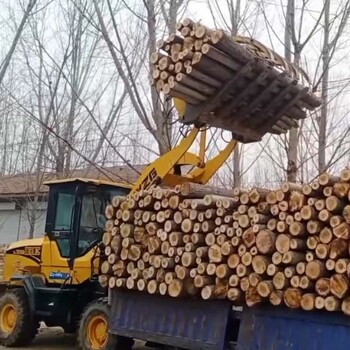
{"x":76,"y":213}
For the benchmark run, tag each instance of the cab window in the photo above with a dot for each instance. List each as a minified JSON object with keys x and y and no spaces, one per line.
{"x":64,"y":221}
{"x":92,"y":222}
{"x":64,"y":211}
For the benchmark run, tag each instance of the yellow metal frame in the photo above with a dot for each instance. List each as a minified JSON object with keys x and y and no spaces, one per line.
{"x":163,"y":169}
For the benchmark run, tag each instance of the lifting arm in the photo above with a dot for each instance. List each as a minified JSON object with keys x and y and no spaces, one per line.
{"x":167,"y":168}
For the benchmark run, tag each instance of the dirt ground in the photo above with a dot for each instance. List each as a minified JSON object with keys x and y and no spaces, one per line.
{"x":55,"y":339}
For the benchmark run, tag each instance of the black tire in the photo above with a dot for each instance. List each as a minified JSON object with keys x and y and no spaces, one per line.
{"x":99,"y":308}
{"x":24,"y":329}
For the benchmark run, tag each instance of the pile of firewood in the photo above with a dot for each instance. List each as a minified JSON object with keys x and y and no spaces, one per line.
{"x":199,"y":64}
{"x":289,"y":246}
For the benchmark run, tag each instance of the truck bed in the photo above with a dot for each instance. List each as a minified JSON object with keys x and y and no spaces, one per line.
{"x":215,"y":325}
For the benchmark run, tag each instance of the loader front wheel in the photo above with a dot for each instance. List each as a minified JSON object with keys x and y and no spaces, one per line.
{"x":16,"y":325}
{"x":93,"y":333}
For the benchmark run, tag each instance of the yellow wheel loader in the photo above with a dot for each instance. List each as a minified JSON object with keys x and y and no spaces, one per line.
{"x":55,"y":278}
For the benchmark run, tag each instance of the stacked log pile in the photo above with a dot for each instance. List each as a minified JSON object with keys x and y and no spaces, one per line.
{"x":199,"y":64}
{"x":287,"y":247}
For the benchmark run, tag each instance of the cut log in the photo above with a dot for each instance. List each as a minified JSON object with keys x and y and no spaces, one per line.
{"x":282,"y":243}
{"x":323,"y":286}
{"x":325,"y":235}
{"x":175,"y":288}
{"x":308,"y":301}
{"x":252,"y":297}
{"x":265,"y":241}
{"x":345,"y":306}
{"x":339,"y":285}
{"x":338,"y":248}
{"x":280,"y":281}
{"x":319,"y":303}
{"x":234,"y":294}
{"x":260,"y":263}
{"x":332,"y":303}
{"x":265,"y":288}
{"x":342,"y":230}
{"x":341,"y":265}
{"x":276,"y":297}
{"x":315,"y":269}
{"x":297,"y":229}
{"x":292,"y":298}
{"x":334,"y":205}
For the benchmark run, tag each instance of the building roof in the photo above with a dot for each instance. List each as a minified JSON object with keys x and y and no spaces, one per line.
{"x":23,"y":185}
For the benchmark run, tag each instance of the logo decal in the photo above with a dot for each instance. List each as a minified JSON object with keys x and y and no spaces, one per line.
{"x":149,"y":180}
{"x":56,"y":275}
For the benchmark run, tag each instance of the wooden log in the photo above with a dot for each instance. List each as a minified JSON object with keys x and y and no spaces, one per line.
{"x":326,"y":235}
{"x":290,"y":271}
{"x":292,"y":298}
{"x":233,"y":261}
{"x":215,"y":254}
{"x":322,"y":251}
{"x":175,"y":288}
{"x":308,"y":301}
{"x":341,"y":265}
{"x":234,"y":294}
{"x":260,"y":263}
{"x":334,"y":204}
{"x":307,"y":212}
{"x":345,"y":306}
{"x":297,"y":244}
{"x":323,"y":286}
{"x":282,"y":243}
{"x":306,"y":284}
{"x":252,"y":297}
{"x":272,"y":269}
{"x":330,"y":264}
{"x":265,"y":288}
{"x":295,"y":281}
{"x":346,"y":213}
{"x":277,"y":258}
{"x":244,"y":283}
{"x":265,"y":241}
{"x":188,"y":259}
{"x":345,"y":175}
{"x":272,"y":224}
{"x":312,"y":242}
{"x":332,"y":303}
{"x":319,"y":302}
{"x":254,"y":279}
{"x":339,"y":285}
{"x":297,"y":229}
{"x":300,"y":268}
{"x":276,"y":297}
{"x":292,"y":258}
{"x":336,"y":220}
{"x":313,"y":226}
{"x":324,"y":215}
{"x":315,"y":269}
{"x":338,"y":248}
{"x":327,"y":179}
{"x":280,"y":281}
{"x":296,"y":201}
{"x":342,"y":230}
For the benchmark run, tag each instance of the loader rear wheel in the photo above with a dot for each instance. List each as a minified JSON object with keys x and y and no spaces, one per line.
{"x":93,"y":330}
{"x":16,"y":325}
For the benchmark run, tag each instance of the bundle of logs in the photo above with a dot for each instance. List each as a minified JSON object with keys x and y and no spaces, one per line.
{"x":230,"y":79}
{"x":288,"y":246}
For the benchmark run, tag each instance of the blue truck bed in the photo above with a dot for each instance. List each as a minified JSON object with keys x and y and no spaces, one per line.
{"x":213,"y":325}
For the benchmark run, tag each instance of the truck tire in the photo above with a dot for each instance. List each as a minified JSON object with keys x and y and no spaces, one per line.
{"x":16,"y":325}
{"x":93,"y":330}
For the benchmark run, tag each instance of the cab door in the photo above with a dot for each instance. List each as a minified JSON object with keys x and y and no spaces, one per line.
{"x":61,"y":228}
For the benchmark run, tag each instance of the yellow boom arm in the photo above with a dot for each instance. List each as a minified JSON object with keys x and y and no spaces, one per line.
{"x":167,"y":168}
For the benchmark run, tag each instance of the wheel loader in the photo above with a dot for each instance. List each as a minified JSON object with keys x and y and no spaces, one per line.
{"x":54,"y":279}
